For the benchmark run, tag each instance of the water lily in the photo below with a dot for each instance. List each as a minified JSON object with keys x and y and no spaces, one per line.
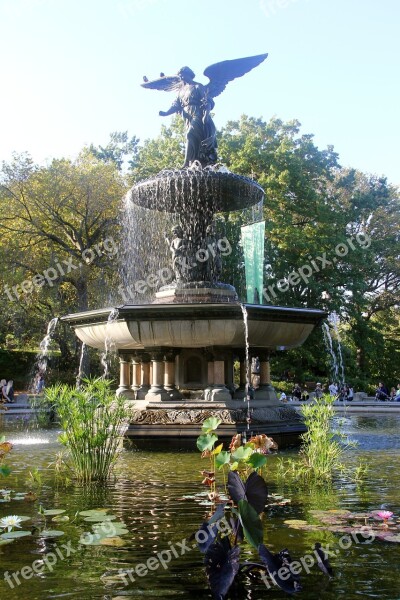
{"x":263,"y":443}
{"x":384,"y":515}
{"x":10,"y":522}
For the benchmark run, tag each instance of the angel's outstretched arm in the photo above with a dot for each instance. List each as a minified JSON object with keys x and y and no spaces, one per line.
{"x":174,"y":108}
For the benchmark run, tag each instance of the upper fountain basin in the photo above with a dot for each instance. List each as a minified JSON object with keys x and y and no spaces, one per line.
{"x":140,"y":327}
{"x":177,"y":190}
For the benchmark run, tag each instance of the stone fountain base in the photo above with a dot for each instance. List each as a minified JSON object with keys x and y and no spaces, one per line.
{"x":179,"y":424}
{"x":178,"y":361}
{"x":196,"y":292}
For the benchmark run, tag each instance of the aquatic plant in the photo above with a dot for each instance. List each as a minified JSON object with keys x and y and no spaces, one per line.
{"x":322,"y":448}
{"x":5,"y":448}
{"x":10,"y":522}
{"x":93,"y":419}
{"x":239,"y":519}
{"x":384,"y":514}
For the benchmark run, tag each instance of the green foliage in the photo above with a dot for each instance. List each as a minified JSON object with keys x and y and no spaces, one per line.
{"x":164,"y":152}
{"x":322,"y":448}
{"x":251,"y":523}
{"x":5,"y":448}
{"x":206,"y":442}
{"x":248,"y":494}
{"x":93,"y":420}
{"x":118,"y":149}
{"x":51,"y":215}
{"x":313,"y":204}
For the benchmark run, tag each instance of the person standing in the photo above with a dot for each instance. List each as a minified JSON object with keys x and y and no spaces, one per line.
{"x":333,"y":390}
{"x":318,"y":391}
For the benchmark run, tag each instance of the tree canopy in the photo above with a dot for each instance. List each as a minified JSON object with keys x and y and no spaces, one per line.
{"x":332,"y":237}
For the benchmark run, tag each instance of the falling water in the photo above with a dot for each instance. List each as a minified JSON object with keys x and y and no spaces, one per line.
{"x":247,"y":362}
{"x":329,"y":346}
{"x":144,"y":252}
{"x":42,"y":358}
{"x":109,"y":344}
{"x":81,"y":370}
{"x":334,"y":321}
{"x":188,"y":197}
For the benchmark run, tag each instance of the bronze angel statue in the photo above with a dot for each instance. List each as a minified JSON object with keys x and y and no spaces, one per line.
{"x":195,"y":102}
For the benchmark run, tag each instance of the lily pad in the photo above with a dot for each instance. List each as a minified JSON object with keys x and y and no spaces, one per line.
{"x":98,"y":539}
{"x":116,"y":542}
{"x":100,"y":517}
{"x":51,"y":533}
{"x":392,"y":538}
{"x":113,"y":529}
{"x":5,"y":542}
{"x":60,"y":519}
{"x":53,"y":512}
{"x":296,"y":523}
{"x":93,"y":511}
{"x":14,"y":534}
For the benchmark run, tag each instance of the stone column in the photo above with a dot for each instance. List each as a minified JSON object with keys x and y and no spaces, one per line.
{"x":266,"y":390}
{"x":124,"y":378}
{"x":265,"y":372}
{"x":136,"y":374}
{"x":144,"y":376}
{"x":157,"y":392}
{"x":169,"y":376}
{"x":219,"y":391}
{"x":241,"y":390}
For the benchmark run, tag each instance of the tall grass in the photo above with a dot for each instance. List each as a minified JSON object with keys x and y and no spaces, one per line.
{"x":93,"y":420}
{"x":322,"y":449}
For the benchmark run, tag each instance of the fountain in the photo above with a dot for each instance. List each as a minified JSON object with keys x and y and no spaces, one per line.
{"x":177,"y":354}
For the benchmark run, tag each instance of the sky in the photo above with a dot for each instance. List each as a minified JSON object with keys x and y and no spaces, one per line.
{"x":71,"y":70}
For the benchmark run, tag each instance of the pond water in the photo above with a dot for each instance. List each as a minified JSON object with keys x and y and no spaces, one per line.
{"x":147,"y":496}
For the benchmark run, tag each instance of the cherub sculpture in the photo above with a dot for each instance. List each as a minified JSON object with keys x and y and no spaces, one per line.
{"x":195,"y":102}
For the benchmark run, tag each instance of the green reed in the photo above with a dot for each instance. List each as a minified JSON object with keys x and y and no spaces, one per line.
{"x":322,"y":449}
{"x":93,"y":420}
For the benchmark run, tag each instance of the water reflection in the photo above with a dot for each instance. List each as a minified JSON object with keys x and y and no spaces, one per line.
{"x":146,"y":495}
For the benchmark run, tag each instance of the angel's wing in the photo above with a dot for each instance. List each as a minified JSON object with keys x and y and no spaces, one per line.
{"x":166,"y":84}
{"x":221,"y":73}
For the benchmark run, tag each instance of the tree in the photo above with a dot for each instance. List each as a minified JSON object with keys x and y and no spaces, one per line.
{"x":164,"y":152}
{"x":59,"y":231}
{"x":118,"y":149}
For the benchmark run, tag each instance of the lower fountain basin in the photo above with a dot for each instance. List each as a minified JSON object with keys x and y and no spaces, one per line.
{"x":193,"y":325}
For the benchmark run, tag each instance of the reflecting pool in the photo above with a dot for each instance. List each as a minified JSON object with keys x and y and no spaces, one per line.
{"x":147,"y":496}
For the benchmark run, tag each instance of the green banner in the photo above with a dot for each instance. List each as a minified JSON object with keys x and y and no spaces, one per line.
{"x":253,"y":250}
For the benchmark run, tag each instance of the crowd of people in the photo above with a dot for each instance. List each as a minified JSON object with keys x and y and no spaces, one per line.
{"x":382,"y":393}
{"x":343,"y":392}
